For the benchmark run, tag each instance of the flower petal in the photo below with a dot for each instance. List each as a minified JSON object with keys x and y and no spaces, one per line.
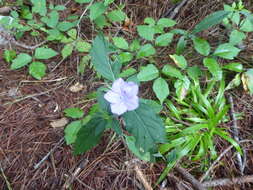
{"x":112,"y":97}
{"x":130,"y":88}
{"x":117,"y":85}
{"x":132,"y":103}
{"x":118,"y":109}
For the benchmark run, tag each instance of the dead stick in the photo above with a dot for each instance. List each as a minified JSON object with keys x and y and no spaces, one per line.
{"x":188,"y":177}
{"x":142,"y":178}
{"x":229,"y":182}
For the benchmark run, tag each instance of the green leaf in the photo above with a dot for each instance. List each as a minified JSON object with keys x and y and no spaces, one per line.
{"x":181,"y":44}
{"x":39,"y":6}
{"x":146,"y":127}
{"x":89,"y":135}
{"x":194,"y":72}
{"x":108,"y":2}
{"x":101,"y":22}
{"x":99,"y":55}
{"x":120,"y":42}
{"x":201,"y":46}
{"x":83,"y":63}
{"x":130,"y":142}
{"x":135,"y":45}
{"x":9,"y":55}
{"x":237,"y":67}
{"x":128,"y":72}
{"x":37,"y":70}
{"x":65,"y":26}
{"x":182,"y":87}
{"x":179,"y":60}
{"x":116,"y":16}
{"x":247,"y":26}
{"x":236,"y":37}
{"x":20,"y":61}
{"x":161,"y":89}
{"x":67,"y":50}
{"x":164,"y":39}
{"x":171,"y":71}
{"x":157,"y":108}
{"x":83,"y":1}
{"x":146,"y":51}
{"x":146,"y":32}
{"x":96,"y":10}
{"x":74,"y":113}
{"x":148,"y":73}
{"x":52,"y":20}
{"x":83,"y":46}
{"x":44,"y":53}
{"x":125,"y":57}
{"x":72,"y":33}
{"x":214,"y":68}
{"x":71,"y":131}
{"x":166,"y":22}
{"x":210,"y":20}
{"x":227,"y":51}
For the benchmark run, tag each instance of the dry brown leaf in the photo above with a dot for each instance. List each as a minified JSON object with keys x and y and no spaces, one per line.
{"x":59,"y":122}
{"x":76,"y":87}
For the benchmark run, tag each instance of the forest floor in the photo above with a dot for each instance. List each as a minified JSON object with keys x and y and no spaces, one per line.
{"x":28,"y":106}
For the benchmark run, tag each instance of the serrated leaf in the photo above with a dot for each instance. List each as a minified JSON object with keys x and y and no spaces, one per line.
{"x":44,"y":53}
{"x":74,"y":113}
{"x":89,"y":135}
{"x":237,"y":67}
{"x":146,"y":127}
{"x":37,"y":70}
{"x":67,"y":50}
{"x":116,"y":16}
{"x":83,"y":46}
{"x":120,"y":42}
{"x":9,"y":55}
{"x":20,"y":61}
{"x":161,"y":89}
{"x":227,"y":51}
{"x":201,"y":46}
{"x":146,"y":51}
{"x":210,"y":20}
{"x":171,"y":71}
{"x":179,"y":60}
{"x":164,"y":39}
{"x":214,"y":68}
{"x":96,"y":10}
{"x":148,"y":73}
{"x":146,"y":32}
{"x":99,"y":54}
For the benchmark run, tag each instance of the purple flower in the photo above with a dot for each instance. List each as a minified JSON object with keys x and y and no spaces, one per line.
{"x":123,"y":96}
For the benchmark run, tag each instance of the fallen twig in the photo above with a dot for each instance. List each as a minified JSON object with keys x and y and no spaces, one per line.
{"x":49,"y":153}
{"x":191,"y":179}
{"x":142,"y":178}
{"x":172,"y":12}
{"x":5,"y":178}
{"x":229,"y":182}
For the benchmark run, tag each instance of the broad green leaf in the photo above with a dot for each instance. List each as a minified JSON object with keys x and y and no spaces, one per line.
{"x":164,"y":39}
{"x":59,"y":7}
{"x":236,"y":37}
{"x":72,"y":33}
{"x":99,"y":56}
{"x":213,"y":68}
{"x":194,"y":72}
{"x":74,"y":113}
{"x":52,"y":20}
{"x":67,"y":50}
{"x":247,"y":26}
{"x":135,"y":45}
{"x":182,"y":87}
{"x":37,"y":70}
{"x":146,"y":51}
{"x":181,"y":44}
{"x":83,"y":46}
{"x":115,"y":125}
{"x":237,"y":67}
{"x":89,"y":135}
{"x":130,"y":142}
{"x":166,"y":22}
{"x":39,"y":6}
{"x":171,"y":71}
{"x":148,"y":73}
{"x":20,"y":61}
{"x":71,"y":131}
{"x":146,"y":127}
{"x":65,"y":26}
{"x":83,"y":1}
{"x":9,"y":55}
{"x":120,"y":42}
{"x":125,"y":57}
{"x":153,"y":104}
{"x":128,"y":72}
{"x":96,"y":10}
{"x":101,"y":22}
{"x":201,"y":46}
{"x":247,"y":80}
{"x":108,"y":2}
{"x":44,"y":53}
{"x":210,"y":20}
{"x":227,"y":51}
{"x":161,"y":89}
{"x":116,"y":16}
{"x":146,"y":32}
{"x":179,"y":60}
